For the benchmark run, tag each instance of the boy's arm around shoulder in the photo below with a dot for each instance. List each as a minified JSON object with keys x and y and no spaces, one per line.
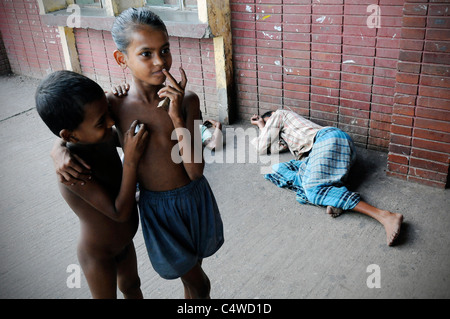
{"x":70,"y":168}
{"x":120,"y":208}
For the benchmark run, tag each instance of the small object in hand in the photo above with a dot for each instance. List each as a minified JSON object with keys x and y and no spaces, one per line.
{"x":164,"y":103}
{"x":138,"y":127}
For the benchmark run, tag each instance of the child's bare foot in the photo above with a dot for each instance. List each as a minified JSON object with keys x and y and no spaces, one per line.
{"x":334,"y":211}
{"x":392,"y":224}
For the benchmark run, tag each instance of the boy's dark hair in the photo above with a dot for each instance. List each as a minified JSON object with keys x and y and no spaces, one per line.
{"x":267,"y":114}
{"x":130,"y":20}
{"x":61,"y":98}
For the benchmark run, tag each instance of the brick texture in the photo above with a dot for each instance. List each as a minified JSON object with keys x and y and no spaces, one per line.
{"x":320,"y":59}
{"x":388,"y":86}
{"x":420,"y":134}
{"x":33,"y":49}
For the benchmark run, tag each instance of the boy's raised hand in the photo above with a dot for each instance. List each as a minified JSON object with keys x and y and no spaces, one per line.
{"x":174,"y":92}
{"x":120,"y":90}
{"x":135,"y":142}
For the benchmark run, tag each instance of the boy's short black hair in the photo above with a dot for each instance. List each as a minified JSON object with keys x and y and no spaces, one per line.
{"x":61,"y":98}
{"x":130,"y":20}
{"x":267,"y":114}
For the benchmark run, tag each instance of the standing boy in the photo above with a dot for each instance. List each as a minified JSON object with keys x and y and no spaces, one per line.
{"x":181,"y":222}
{"x":75,"y":108}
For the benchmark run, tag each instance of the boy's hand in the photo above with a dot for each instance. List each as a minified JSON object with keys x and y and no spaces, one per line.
{"x":258,"y":121}
{"x":120,"y":90}
{"x":175,"y":93}
{"x":255,"y":119}
{"x":134,"y":143}
{"x":70,"y":168}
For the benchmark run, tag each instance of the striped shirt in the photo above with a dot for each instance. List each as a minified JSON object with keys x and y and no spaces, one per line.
{"x":286,"y":128}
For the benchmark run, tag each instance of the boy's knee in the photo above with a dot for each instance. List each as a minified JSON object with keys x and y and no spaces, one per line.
{"x":198,"y":284}
{"x":200,"y":290}
{"x":129,"y":286}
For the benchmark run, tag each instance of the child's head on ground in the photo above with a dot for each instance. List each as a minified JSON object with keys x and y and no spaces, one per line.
{"x":73,"y":107}
{"x":142,"y":44}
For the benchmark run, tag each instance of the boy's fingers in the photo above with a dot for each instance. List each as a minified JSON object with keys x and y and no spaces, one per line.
{"x":136,"y":128}
{"x":72,"y":177}
{"x":183,"y":82}
{"x":82,"y":162}
{"x":74,"y":169}
{"x":124,"y":88}
{"x":62,"y":178}
{"x":173,"y":81}
{"x":121,"y":89}
{"x":145,"y":135}
{"x":133,"y":125}
{"x":142,"y":131}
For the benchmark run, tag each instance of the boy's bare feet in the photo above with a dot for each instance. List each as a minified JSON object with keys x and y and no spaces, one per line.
{"x":334,"y":211}
{"x":392,"y":224}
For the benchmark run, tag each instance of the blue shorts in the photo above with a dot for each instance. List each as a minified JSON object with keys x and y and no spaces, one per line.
{"x":180,"y":227}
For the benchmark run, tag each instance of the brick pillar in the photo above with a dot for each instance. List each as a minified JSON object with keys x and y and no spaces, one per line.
{"x":5,"y":68}
{"x":419,"y":147}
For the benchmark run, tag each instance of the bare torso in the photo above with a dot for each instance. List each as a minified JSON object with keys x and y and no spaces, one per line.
{"x":100,"y":234}
{"x":157,"y":171}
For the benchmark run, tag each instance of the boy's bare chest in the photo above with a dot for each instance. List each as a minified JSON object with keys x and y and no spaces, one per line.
{"x":156,"y":120}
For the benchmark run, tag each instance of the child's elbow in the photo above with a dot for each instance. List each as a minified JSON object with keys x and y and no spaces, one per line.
{"x":122,"y":218}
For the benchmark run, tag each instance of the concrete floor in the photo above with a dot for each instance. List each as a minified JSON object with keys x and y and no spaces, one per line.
{"x":274,"y":248}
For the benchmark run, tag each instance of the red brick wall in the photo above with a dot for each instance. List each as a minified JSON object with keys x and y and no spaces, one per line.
{"x":388,"y":87}
{"x":320,"y":59}
{"x":33,"y":48}
{"x":420,"y":139}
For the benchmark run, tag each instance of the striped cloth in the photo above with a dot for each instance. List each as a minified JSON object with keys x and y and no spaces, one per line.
{"x":296,"y":131}
{"x":318,"y":178}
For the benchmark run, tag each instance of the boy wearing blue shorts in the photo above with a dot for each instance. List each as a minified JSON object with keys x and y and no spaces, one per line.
{"x":180,"y":219}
